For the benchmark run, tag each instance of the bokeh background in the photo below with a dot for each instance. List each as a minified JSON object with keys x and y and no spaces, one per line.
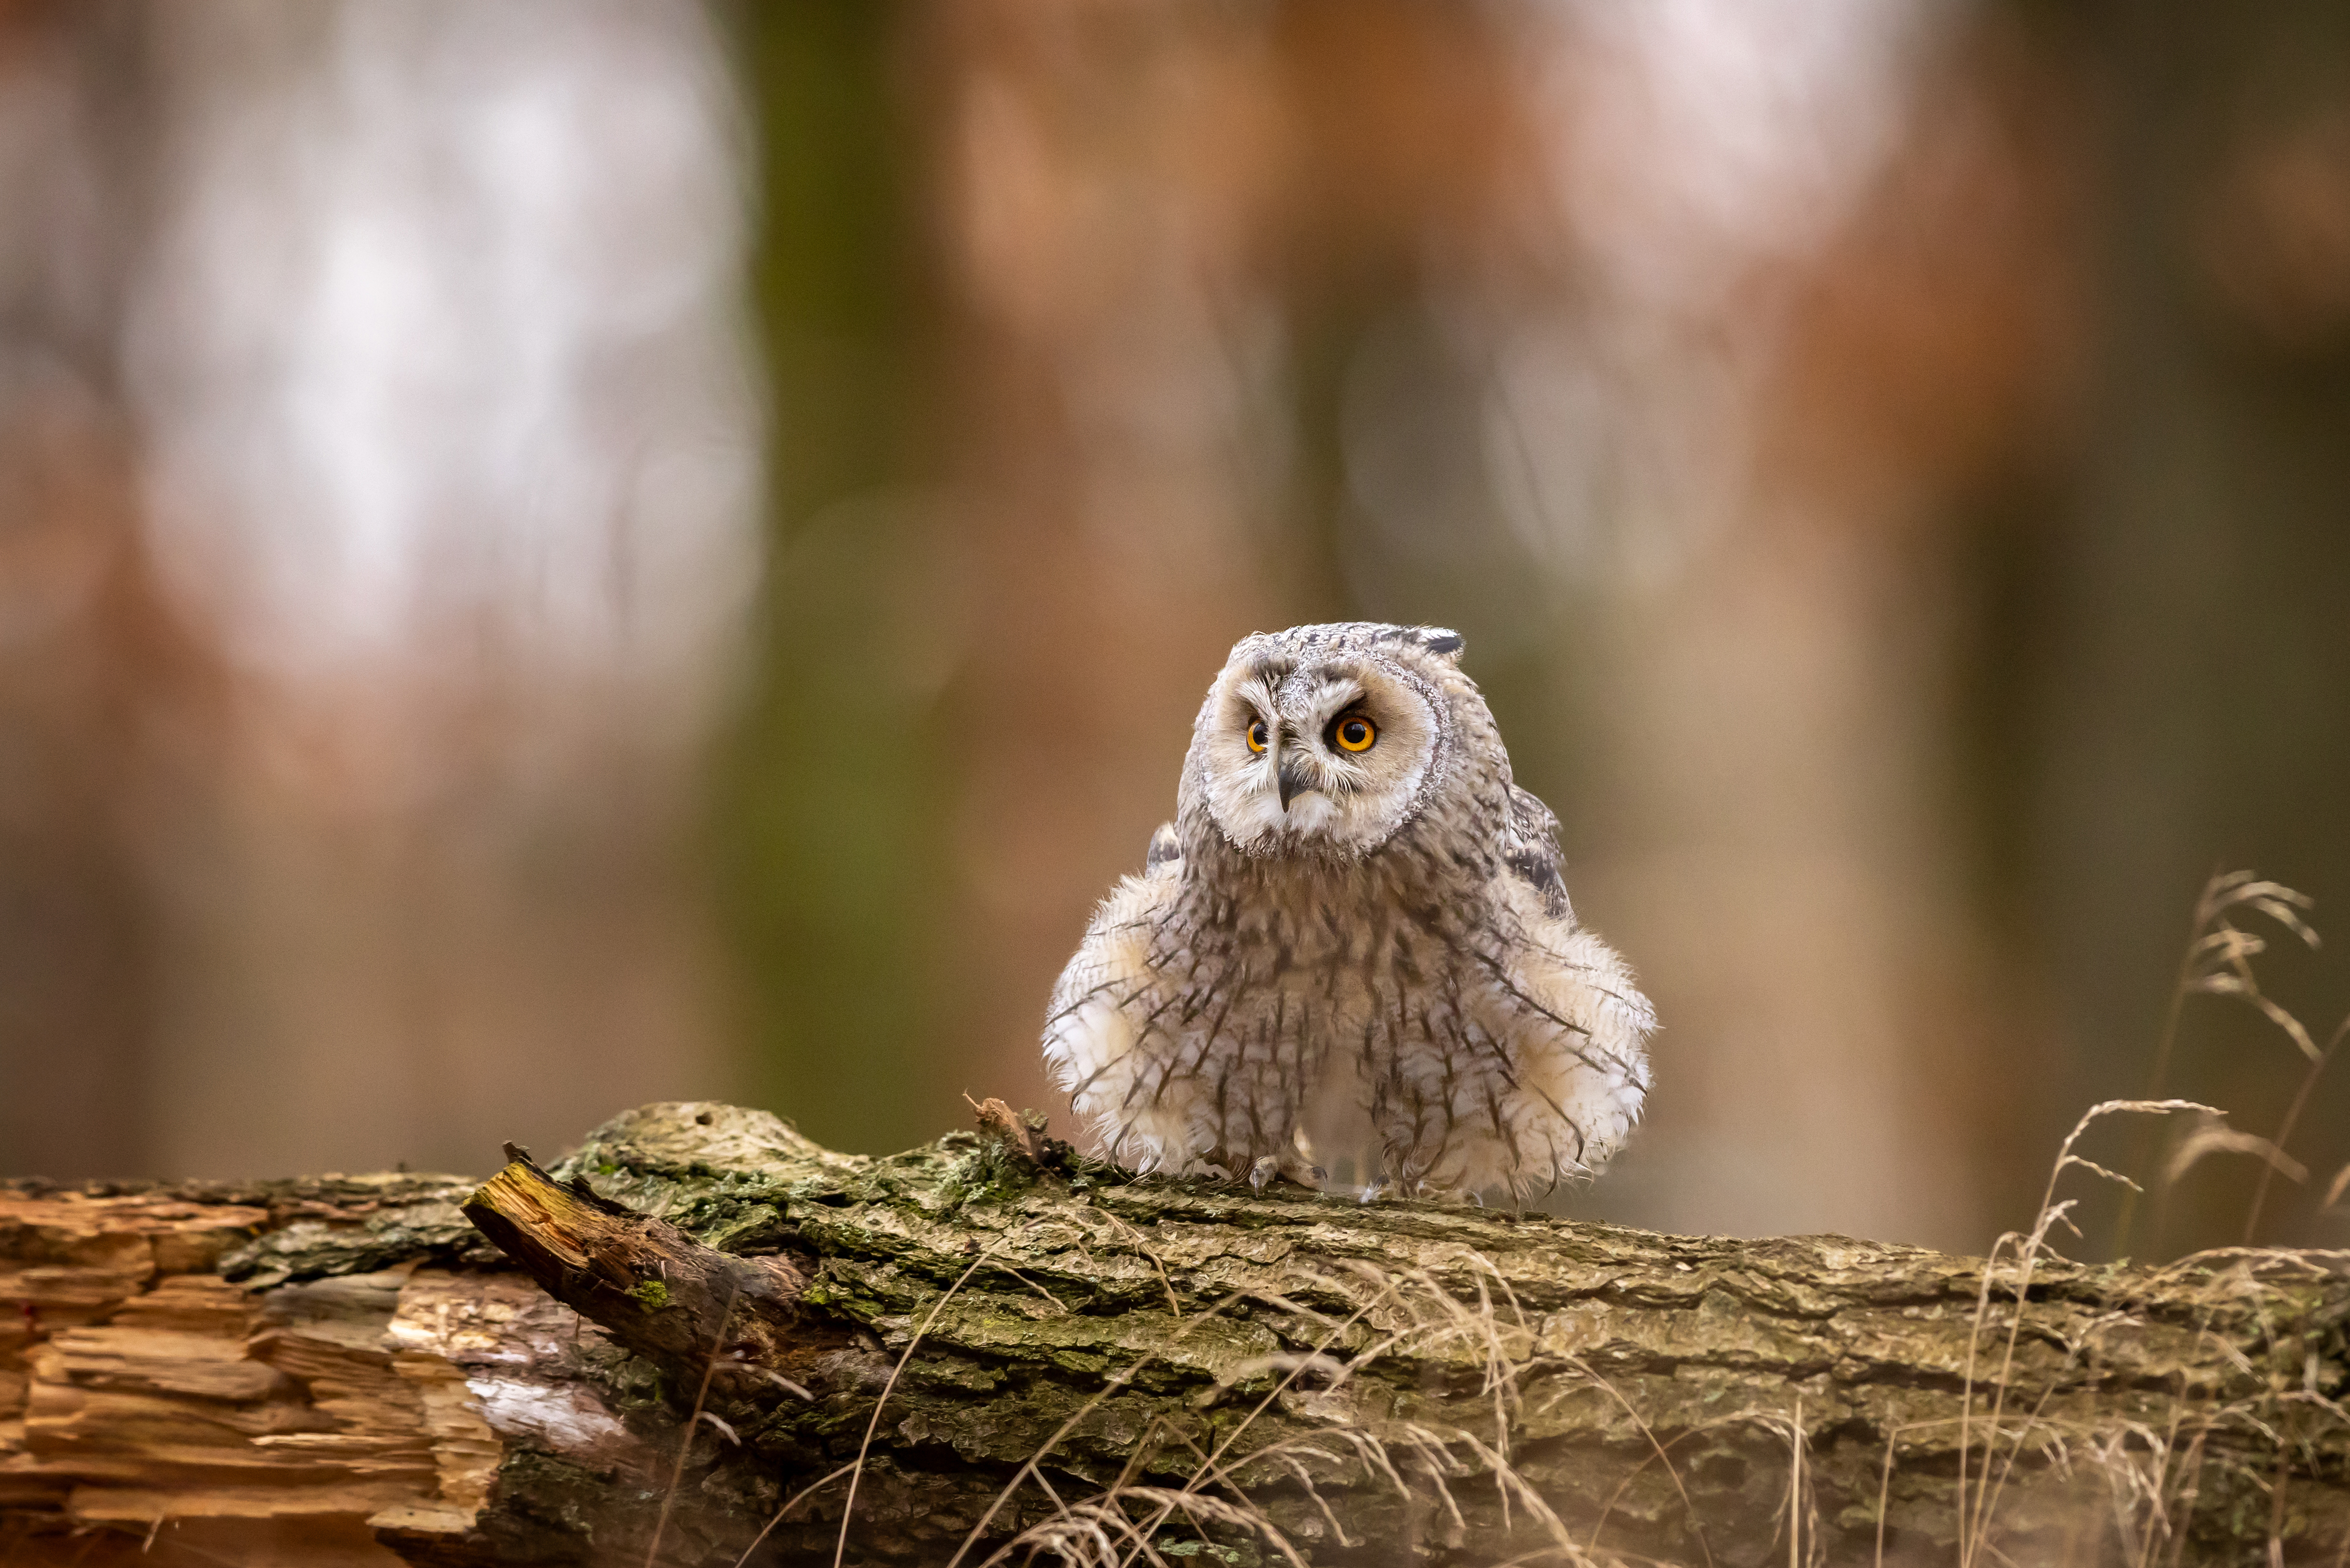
{"x":574,"y":552}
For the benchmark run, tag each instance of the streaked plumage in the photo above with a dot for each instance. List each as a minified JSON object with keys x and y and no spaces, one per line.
{"x":1336,"y":958}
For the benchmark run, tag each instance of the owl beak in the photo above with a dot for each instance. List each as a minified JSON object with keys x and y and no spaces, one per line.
{"x":1289,"y":777}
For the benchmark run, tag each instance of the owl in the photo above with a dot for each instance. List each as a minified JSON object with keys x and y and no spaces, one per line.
{"x":1350,"y":956}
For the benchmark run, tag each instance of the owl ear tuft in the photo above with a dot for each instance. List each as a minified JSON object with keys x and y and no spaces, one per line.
{"x":1442,"y":641}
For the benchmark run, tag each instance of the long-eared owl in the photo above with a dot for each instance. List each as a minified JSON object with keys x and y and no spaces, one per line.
{"x":1351,"y":954}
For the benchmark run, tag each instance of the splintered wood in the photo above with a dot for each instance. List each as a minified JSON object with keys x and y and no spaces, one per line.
{"x":152,"y":1409}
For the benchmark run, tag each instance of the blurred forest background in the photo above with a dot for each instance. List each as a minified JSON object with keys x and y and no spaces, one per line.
{"x":573,"y":551}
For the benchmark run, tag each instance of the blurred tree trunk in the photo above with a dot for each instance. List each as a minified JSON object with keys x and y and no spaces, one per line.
{"x":327,"y":1371}
{"x":831,"y":804}
{"x":89,"y":656}
{"x":2186,"y":614}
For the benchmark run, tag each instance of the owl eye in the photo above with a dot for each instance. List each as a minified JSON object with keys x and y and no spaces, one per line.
{"x":1355,"y":733}
{"x":1258,"y":737}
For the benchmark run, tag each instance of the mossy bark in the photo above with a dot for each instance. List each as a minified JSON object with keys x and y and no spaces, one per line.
{"x":1238,"y":1378}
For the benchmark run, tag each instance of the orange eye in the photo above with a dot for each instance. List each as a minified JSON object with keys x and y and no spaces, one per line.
{"x":1258,"y":738}
{"x":1356,"y":733}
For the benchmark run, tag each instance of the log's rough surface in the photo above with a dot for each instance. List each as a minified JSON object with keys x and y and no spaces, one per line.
{"x":344,"y":1371}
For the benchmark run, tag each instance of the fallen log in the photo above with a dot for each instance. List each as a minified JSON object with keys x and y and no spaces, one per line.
{"x":701,"y":1339}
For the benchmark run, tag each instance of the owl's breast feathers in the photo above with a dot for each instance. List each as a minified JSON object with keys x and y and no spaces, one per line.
{"x":1442,"y":983}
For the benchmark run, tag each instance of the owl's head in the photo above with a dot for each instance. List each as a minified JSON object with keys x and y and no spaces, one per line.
{"x":1326,"y":739}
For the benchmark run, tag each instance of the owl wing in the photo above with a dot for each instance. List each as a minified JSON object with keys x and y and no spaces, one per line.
{"x":1572,"y":1072}
{"x":1529,"y":849}
{"x":1104,"y":1043}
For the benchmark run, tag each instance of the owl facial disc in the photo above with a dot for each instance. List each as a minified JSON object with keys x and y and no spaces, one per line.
{"x":1316,"y":755}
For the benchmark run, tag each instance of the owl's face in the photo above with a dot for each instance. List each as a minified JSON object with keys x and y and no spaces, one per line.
{"x":1324,"y":740}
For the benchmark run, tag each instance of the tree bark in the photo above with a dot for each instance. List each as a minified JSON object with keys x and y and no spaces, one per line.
{"x":687,"y":1332}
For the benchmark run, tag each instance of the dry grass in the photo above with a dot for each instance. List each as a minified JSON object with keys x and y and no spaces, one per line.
{"x":692,"y":1427}
{"x":2218,"y":961}
{"x":1117,"y":1526}
{"x":1414,"y":1315}
{"x":2153,"y":1479}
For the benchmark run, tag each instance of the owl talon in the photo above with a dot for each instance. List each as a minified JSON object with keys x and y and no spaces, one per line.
{"x":1298,"y":1170}
{"x":1270,"y":1168}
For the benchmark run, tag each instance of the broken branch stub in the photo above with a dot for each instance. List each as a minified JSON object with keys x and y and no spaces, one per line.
{"x":654,"y":1290}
